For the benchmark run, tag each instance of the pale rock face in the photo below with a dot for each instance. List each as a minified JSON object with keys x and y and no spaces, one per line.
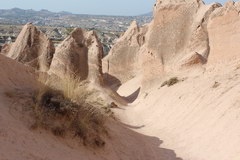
{"x":6,"y":48}
{"x":178,"y":30}
{"x":79,"y":56}
{"x":224,"y":33}
{"x":122,"y":60}
{"x":194,"y":59}
{"x":33,"y":48}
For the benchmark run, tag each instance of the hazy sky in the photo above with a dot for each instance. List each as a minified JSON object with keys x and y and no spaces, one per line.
{"x":106,"y":7}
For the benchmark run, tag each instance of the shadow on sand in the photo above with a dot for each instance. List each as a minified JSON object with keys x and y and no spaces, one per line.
{"x":132,"y":97}
{"x":140,"y":146}
{"x":127,"y":142}
{"x":111,"y":81}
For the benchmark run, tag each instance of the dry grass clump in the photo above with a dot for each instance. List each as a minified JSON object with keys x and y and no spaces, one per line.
{"x":69,"y":86}
{"x":55,"y":112}
{"x":69,"y":108}
{"x":170,"y":82}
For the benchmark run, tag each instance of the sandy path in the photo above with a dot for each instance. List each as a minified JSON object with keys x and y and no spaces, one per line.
{"x":194,"y":118}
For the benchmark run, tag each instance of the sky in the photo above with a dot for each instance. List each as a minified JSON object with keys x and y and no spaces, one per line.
{"x":97,"y":7}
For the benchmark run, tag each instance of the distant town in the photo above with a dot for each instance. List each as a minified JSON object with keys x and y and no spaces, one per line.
{"x":58,"y":25}
{"x":66,"y":19}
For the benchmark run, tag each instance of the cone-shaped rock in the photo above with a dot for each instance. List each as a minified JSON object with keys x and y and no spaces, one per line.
{"x":33,"y":48}
{"x":79,"y":56}
{"x":122,"y":60}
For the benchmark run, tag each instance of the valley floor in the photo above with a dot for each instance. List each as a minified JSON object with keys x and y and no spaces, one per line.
{"x":194,"y":119}
{"x":198,"y":117}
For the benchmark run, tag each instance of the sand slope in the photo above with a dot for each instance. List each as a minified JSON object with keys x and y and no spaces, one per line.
{"x":198,"y":117}
{"x":19,"y":141}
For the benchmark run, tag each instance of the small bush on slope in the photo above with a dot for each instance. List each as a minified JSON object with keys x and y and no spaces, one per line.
{"x":63,"y":117}
{"x":170,"y":82}
{"x":66,"y":108}
{"x":216,"y":84}
{"x":69,"y":108}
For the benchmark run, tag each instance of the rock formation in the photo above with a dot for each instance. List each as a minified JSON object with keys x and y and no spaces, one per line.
{"x":6,"y":48}
{"x":79,"y":56}
{"x":198,"y":116}
{"x":177,"y":32}
{"x":192,"y":112}
{"x":33,"y":48}
{"x":124,"y":53}
{"x":224,"y":33}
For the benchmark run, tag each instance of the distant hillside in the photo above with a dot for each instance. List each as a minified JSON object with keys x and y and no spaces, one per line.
{"x":67,"y":19}
{"x":147,"y":14}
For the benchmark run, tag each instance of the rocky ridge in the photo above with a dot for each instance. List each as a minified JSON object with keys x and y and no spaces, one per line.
{"x":178,"y":34}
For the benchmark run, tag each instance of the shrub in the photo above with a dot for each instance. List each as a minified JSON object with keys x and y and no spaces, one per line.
{"x":68,"y":107}
{"x":54,"y":112}
{"x":216,"y":84}
{"x":58,"y":131}
{"x":170,"y":82}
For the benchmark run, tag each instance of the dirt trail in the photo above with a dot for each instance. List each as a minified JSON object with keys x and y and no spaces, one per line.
{"x":197,"y":117}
